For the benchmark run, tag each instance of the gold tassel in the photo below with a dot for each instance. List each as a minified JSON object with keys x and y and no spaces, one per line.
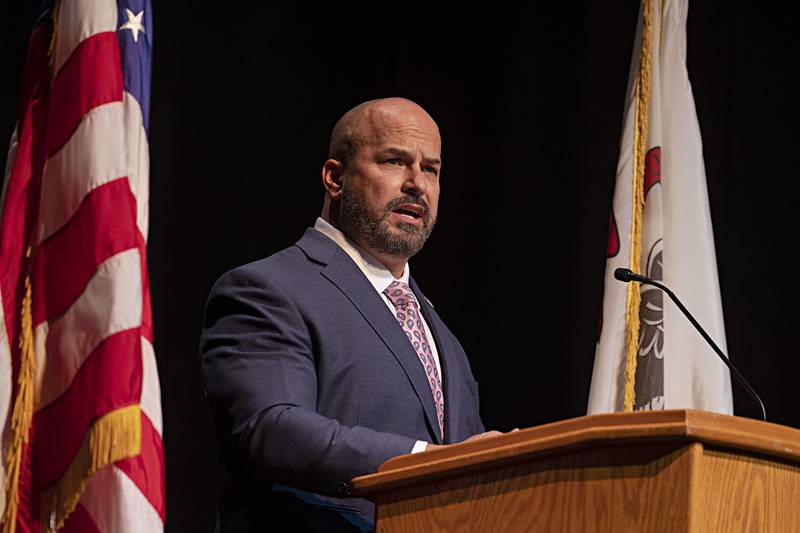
{"x":114,"y":436}
{"x":23,"y":410}
{"x":640,"y":147}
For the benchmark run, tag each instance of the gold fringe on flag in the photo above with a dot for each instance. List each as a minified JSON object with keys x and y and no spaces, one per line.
{"x":114,"y":436}
{"x":640,"y":147}
{"x":22,"y":415}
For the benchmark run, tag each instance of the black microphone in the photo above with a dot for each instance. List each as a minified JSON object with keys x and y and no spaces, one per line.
{"x":626,"y":275}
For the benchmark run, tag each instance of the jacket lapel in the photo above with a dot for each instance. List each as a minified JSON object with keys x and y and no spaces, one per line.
{"x":345,"y":275}
{"x":450,"y":380}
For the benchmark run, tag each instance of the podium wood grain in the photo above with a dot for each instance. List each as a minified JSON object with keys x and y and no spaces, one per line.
{"x":667,"y":471}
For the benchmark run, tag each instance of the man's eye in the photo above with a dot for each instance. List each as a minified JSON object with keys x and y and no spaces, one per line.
{"x":394,"y":161}
{"x":432,"y":170}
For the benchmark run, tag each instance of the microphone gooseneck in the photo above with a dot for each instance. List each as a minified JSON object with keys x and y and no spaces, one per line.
{"x":626,"y":275}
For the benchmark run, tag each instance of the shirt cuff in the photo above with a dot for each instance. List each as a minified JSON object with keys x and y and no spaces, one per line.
{"x":419,"y":446}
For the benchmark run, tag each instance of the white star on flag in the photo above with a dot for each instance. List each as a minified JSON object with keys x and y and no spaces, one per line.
{"x":134,"y":24}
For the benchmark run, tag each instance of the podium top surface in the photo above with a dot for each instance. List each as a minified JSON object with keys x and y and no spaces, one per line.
{"x":729,"y":432}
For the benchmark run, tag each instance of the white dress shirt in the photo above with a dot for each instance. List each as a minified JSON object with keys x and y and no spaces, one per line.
{"x":380,"y":277}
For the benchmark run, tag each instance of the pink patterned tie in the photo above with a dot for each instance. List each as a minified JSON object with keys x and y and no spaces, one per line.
{"x":409,"y":317}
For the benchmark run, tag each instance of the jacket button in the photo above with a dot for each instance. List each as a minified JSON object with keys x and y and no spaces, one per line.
{"x":343,"y":488}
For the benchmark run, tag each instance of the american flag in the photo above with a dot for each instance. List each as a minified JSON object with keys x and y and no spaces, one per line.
{"x":80,"y":407}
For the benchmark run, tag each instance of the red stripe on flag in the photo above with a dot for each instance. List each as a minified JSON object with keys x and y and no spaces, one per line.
{"x":104,"y":226}
{"x":147,"y":312}
{"x":28,"y":508}
{"x":109,"y":379}
{"x":79,"y":521}
{"x":146,"y":470}
{"x":92,"y":76}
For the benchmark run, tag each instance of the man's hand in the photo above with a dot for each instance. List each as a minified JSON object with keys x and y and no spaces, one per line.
{"x":486,"y":435}
{"x":479,"y":436}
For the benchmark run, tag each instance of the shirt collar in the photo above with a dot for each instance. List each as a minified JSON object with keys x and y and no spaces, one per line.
{"x":378,"y":275}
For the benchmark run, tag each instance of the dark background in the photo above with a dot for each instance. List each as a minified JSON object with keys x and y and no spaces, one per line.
{"x":529,"y":101}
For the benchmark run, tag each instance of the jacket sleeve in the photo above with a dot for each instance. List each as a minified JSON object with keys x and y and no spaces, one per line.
{"x":257,"y":365}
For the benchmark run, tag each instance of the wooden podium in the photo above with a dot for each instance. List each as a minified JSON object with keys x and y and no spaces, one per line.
{"x":671,"y":471}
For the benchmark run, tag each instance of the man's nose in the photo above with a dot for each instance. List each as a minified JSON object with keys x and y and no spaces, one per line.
{"x":415,"y":182}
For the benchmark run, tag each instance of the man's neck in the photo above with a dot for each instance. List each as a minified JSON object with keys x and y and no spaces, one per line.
{"x":393,"y":264}
{"x":396,"y":267}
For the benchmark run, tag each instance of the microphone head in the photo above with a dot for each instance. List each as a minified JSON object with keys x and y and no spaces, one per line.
{"x":623,"y":274}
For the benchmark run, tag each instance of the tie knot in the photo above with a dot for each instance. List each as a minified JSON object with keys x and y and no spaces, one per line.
{"x":400,"y":295}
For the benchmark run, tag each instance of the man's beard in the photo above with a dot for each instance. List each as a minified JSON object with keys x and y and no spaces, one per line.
{"x":357,"y":220}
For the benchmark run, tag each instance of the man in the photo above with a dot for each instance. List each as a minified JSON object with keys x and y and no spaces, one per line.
{"x":325,"y":359}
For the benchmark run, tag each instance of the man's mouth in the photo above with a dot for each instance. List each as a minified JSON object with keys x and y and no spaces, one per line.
{"x":412,"y":212}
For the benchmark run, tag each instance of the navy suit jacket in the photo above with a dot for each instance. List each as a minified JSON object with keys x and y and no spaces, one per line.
{"x":313,"y":382}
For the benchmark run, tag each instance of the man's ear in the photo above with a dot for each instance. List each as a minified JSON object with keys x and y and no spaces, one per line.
{"x":332,"y":172}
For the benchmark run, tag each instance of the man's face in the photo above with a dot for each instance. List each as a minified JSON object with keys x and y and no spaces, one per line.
{"x":390,"y":188}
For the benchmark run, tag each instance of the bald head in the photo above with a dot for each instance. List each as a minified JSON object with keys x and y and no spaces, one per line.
{"x":366,"y":121}
{"x":382,"y":179}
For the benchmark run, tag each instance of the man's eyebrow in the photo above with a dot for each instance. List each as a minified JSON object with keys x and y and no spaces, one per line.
{"x":395,"y":151}
{"x":404,"y":153}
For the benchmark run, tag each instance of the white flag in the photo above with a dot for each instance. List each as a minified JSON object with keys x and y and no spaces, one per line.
{"x":674,"y":367}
